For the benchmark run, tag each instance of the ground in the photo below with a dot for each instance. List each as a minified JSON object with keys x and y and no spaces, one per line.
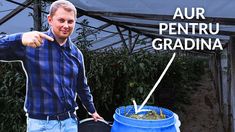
{"x":203,"y":114}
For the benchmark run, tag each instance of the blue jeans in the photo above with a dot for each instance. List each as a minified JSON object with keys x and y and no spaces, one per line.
{"x":68,"y":125}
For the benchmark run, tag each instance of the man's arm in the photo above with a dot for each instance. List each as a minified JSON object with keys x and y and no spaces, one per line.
{"x":83,"y":88}
{"x":12,"y":46}
{"x":84,"y":92}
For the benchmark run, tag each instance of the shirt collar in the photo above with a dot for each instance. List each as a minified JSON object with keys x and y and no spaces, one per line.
{"x":68,"y":43}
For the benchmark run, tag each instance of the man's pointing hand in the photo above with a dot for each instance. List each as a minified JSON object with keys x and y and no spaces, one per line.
{"x":34,"y":39}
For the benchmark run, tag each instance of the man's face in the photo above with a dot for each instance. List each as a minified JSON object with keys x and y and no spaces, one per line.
{"x":62,"y":23}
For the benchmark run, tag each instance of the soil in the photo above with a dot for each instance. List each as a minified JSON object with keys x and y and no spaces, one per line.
{"x":203,"y":113}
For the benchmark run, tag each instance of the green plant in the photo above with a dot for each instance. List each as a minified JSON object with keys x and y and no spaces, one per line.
{"x":12,"y":92}
{"x":117,"y":77}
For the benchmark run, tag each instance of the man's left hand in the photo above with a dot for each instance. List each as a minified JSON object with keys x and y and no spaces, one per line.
{"x":96,"y":116}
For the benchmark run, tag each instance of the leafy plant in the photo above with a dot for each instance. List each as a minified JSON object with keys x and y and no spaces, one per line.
{"x":12,"y":92}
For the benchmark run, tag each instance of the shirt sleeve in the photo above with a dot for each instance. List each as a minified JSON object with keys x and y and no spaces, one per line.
{"x":83,"y":88}
{"x":11,"y":47}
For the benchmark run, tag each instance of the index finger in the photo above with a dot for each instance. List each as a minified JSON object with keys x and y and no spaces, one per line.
{"x":46,"y":36}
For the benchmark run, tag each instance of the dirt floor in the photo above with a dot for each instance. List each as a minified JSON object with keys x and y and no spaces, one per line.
{"x":203,"y":115}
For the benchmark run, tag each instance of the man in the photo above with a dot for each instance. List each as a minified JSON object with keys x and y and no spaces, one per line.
{"x":55,"y":72}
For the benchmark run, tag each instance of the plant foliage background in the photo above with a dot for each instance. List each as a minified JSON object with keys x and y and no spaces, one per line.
{"x":115,"y":77}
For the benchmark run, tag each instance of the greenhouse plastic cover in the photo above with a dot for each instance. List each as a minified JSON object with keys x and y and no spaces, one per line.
{"x":214,"y":8}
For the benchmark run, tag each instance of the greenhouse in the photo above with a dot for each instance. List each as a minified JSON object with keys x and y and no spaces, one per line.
{"x":127,"y":46}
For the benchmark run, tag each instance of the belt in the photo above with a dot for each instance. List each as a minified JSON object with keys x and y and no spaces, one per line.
{"x":60,"y":117}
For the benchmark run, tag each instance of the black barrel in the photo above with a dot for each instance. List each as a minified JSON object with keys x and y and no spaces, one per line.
{"x":89,"y":125}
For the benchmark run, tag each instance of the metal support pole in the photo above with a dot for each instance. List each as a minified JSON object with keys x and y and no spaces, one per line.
{"x":122,"y":38}
{"x":224,"y":87}
{"x":219,"y":79}
{"x":37,"y":15}
{"x":15,"y":11}
{"x":231,"y":98}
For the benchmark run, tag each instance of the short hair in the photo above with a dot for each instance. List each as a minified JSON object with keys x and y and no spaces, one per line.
{"x":66,"y":5}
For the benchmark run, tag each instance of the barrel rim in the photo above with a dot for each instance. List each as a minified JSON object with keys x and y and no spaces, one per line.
{"x":91,"y":119}
{"x":161,"y":123}
{"x":144,"y":126}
